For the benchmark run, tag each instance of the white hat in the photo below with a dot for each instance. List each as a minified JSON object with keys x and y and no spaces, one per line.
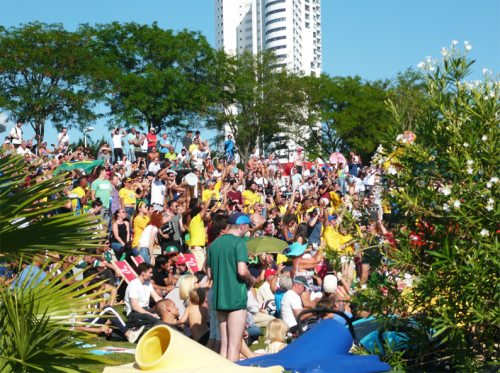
{"x":330,"y":284}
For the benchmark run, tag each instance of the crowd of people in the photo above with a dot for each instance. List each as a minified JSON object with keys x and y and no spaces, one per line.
{"x":149,"y":210}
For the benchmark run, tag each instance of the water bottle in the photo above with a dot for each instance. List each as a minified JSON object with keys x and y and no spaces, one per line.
{"x":118,"y":281}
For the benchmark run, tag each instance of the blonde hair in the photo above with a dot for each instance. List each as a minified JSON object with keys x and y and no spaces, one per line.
{"x":197,"y":296}
{"x":276,"y":330}
{"x":186,"y":285}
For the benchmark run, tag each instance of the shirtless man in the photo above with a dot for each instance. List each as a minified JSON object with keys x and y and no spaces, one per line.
{"x":167,"y":311}
{"x":257,"y":217}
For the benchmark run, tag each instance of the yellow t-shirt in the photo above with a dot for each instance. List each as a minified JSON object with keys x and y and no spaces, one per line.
{"x":386,"y":207}
{"x":139,"y":224}
{"x":207,"y":193}
{"x":282,"y":209}
{"x":196,"y":231}
{"x":253,"y":197}
{"x":334,"y":240}
{"x":193,"y":147}
{"x":128,"y":196}
{"x":80,"y":193}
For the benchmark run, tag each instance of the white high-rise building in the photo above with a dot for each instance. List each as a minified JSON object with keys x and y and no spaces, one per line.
{"x":292,"y":28}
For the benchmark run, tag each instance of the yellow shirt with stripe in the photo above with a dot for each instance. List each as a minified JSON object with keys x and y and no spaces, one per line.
{"x":207,"y":193}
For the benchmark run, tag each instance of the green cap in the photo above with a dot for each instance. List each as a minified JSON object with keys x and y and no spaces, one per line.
{"x":172,"y":250}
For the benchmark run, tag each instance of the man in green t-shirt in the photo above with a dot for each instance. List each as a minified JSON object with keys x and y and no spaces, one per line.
{"x":227,"y":266}
{"x":101,"y":188}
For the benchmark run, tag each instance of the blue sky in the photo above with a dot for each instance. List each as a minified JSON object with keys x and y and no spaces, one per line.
{"x":372,"y":39}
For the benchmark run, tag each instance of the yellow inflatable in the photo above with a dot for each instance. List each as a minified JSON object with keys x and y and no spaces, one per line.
{"x":163,"y":349}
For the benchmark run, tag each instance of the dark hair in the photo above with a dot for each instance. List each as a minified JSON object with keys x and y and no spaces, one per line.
{"x":200,"y":275}
{"x":171,"y":202}
{"x":192,"y":203}
{"x":301,"y":232}
{"x":143,"y":267}
{"x":97,"y":202}
{"x":92,"y":283}
{"x":160,"y":260}
{"x":90,"y":272}
{"x":325,"y":303}
{"x":219,"y":222}
{"x":195,"y":211}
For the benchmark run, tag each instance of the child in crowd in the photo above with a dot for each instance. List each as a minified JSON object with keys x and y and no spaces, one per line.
{"x":276,"y":332}
{"x":325,"y":303}
{"x":197,"y":316}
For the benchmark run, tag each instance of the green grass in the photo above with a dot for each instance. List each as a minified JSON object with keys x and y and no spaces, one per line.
{"x":129,"y":358}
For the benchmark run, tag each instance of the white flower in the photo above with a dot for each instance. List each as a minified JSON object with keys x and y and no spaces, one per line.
{"x":491,"y":201}
{"x":392,"y":170}
{"x":494,"y":180}
{"x":446,"y":207}
{"x":470,"y":162}
{"x":486,"y":98}
{"x":421,"y":65}
{"x":399,"y":137}
{"x":484,"y":232}
{"x":405,"y":141}
{"x":485,"y":71}
{"x":489,"y":207}
{"x":466,"y":42}
{"x":446,"y":191}
{"x":381,"y":160}
{"x":466,"y":145}
{"x":432,"y":68}
{"x":488,"y":185}
{"x":468,"y":47}
{"x":457,"y":204}
{"x":454,"y":42}
{"x":428,"y":58}
{"x":492,"y":94}
{"x":484,"y":138}
{"x":470,"y":171}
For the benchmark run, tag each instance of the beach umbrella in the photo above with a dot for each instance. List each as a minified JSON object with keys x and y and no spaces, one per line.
{"x":261,"y":245}
{"x":337,"y":158}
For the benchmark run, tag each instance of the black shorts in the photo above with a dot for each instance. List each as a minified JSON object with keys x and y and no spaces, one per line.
{"x":204,"y":339}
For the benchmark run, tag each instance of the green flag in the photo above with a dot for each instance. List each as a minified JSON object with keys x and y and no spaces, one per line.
{"x":88,"y":166}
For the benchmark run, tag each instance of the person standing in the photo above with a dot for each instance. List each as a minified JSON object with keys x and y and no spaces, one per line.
{"x":229,"y":146}
{"x":176,"y":220}
{"x":164,"y":146}
{"x":298,"y":161}
{"x":117,"y":142}
{"x":187,"y":140}
{"x":227,"y":267}
{"x":101,"y":188}
{"x":152,"y":140}
{"x":16,"y":134}
{"x":131,"y":146}
{"x":63,"y":138}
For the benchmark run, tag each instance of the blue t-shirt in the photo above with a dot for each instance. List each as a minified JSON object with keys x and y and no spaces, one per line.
{"x":163,"y":149}
{"x":314,"y":233}
{"x":353,"y":168}
{"x":29,"y":277}
{"x":4,"y":270}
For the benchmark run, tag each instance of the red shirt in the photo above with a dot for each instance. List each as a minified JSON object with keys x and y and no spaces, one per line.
{"x":235,"y":197}
{"x":151,"y":137}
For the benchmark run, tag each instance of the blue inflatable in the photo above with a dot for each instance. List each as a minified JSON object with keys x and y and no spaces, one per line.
{"x":323,"y":349}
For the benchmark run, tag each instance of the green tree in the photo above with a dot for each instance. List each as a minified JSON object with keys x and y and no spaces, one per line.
{"x":48,"y":74}
{"x":257,"y":100}
{"x":447,"y":197}
{"x":345,"y":114}
{"x":407,"y":93}
{"x":158,"y":78}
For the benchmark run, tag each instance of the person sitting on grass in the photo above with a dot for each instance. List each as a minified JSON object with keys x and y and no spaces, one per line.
{"x":197,"y":315}
{"x":276,"y":332}
{"x":97,"y":322}
{"x":168,"y":313}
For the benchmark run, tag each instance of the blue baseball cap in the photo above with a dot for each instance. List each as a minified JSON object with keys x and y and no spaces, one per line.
{"x":332,"y":217}
{"x":240,"y":218}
